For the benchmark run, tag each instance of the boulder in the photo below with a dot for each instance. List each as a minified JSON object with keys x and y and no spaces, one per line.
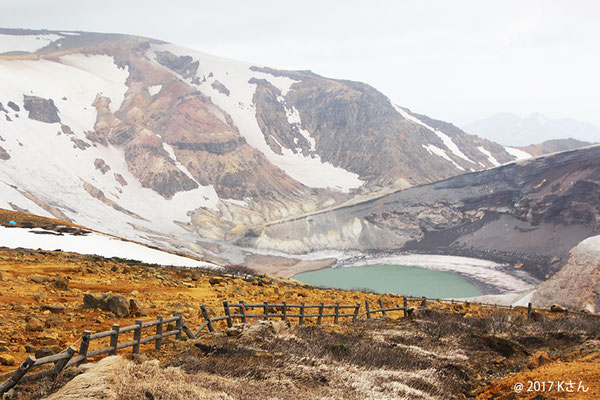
{"x":93,"y":300}
{"x":136,"y":309}
{"x":39,"y":278}
{"x":215,"y":281}
{"x":6,"y":359}
{"x":53,"y":321}
{"x":61,"y":283}
{"x":40,"y":296}
{"x":118,"y":305}
{"x":34,"y":325}
{"x":47,"y":351}
{"x":54,"y":308}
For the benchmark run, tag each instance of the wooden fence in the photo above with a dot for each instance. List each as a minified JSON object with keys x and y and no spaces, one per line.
{"x":261,"y":311}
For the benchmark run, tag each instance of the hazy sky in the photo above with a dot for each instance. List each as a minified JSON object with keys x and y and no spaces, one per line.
{"x":454,"y":60}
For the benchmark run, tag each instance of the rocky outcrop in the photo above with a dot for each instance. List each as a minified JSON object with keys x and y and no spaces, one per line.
{"x":40,"y":109}
{"x":101,"y":165}
{"x":577,"y":285}
{"x":184,"y":65}
{"x":220,"y":87}
{"x":4,"y":154}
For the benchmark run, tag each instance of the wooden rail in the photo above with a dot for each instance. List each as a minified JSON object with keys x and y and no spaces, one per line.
{"x":264,"y":311}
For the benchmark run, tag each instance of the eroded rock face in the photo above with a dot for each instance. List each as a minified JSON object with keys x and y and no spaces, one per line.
{"x":40,"y":109}
{"x":577,"y":285}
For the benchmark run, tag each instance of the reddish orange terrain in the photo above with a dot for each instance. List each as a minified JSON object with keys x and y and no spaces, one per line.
{"x":450,"y":351}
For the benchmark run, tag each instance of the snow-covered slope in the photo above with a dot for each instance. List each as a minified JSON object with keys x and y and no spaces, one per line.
{"x":92,"y":243}
{"x":166,"y":145}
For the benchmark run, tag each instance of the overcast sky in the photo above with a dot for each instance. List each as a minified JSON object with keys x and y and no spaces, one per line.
{"x":454,"y":60}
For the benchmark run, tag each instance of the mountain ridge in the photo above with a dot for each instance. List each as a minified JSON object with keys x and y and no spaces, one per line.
{"x":217,"y":146}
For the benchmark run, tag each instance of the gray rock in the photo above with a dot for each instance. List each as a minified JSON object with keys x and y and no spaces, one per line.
{"x":40,"y":109}
{"x":53,"y":321}
{"x":118,"y":305}
{"x":47,"y":351}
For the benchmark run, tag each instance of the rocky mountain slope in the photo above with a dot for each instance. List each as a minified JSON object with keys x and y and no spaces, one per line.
{"x":166,"y":145}
{"x":577,"y":284}
{"x":529,"y":213}
{"x":512,"y":130}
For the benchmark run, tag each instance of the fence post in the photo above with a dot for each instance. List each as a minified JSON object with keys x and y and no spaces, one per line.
{"x":284,"y":311}
{"x":83,"y":347}
{"x":337,"y":313}
{"x":367,"y":309}
{"x":207,"y":318}
{"x":137,"y":336}
{"x":382,"y":307}
{"x":17,"y":375}
{"x":60,"y":364}
{"x":356,"y":309}
{"x":301,"y":319}
{"x":405,"y":305}
{"x":243,"y":311}
{"x":178,"y":325}
{"x":528,"y":310}
{"x":227,"y":313}
{"x":266,"y":311}
{"x":320,"y":317}
{"x":114,"y":339}
{"x":159,"y":331}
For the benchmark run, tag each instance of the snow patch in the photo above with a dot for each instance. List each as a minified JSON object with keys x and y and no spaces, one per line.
{"x":518,"y":154}
{"x":489,"y":155}
{"x":73,"y":86}
{"x":312,"y":172}
{"x":29,"y":43}
{"x":240,"y":203}
{"x":93,"y":243}
{"x":153,"y":90}
{"x":442,"y":153}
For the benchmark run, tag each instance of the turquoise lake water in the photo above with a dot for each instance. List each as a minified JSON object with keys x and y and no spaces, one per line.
{"x":396,"y":279}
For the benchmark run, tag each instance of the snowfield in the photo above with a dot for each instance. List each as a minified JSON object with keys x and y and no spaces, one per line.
{"x":92,"y":243}
{"x":29,"y":43}
{"x":60,"y":180}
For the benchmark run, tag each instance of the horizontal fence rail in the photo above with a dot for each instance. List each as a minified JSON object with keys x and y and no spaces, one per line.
{"x":243,"y":312}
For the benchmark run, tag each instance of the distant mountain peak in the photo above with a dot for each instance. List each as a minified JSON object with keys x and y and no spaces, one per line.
{"x":512,"y":130}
